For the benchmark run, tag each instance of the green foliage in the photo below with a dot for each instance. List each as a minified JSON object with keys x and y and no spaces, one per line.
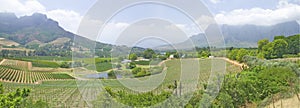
{"x":267,"y":50}
{"x":131,"y":65}
{"x":241,"y":53}
{"x":204,"y":54}
{"x":276,"y":79}
{"x":149,"y":53}
{"x":280,"y":46}
{"x":253,"y":87}
{"x":141,"y":72}
{"x":65,"y":65}
{"x":111,"y":75}
{"x":262,"y":80}
{"x":232,"y":54}
{"x":132,"y":56}
{"x":163,"y":57}
{"x":261,"y":44}
{"x":140,"y":99}
{"x":13,"y":99}
{"x":293,"y":44}
{"x":136,"y":70}
{"x":279,"y":37}
{"x":238,"y":54}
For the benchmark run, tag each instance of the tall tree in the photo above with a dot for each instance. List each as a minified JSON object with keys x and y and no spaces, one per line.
{"x":262,"y":43}
{"x":240,"y":54}
{"x":279,"y":48}
{"x":132,"y":56}
{"x":149,"y":53}
{"x":267,"y":50}
{"x":279,"y":37}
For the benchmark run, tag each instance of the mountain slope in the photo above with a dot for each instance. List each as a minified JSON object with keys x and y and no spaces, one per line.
{"x":242,"y":36}
{"x":253,"y":33}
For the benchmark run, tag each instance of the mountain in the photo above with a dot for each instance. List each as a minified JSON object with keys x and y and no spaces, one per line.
{"x":45,"y":36}
{"x":250,"y":34}
{"x":31,"y":28}
{"x":36,"y":29}
{"x":242,"y":36}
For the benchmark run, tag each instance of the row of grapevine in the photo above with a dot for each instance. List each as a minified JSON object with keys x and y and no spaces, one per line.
{"x":58,"y":94}
{"x":23,"y":65}
{"x":20,"y":76}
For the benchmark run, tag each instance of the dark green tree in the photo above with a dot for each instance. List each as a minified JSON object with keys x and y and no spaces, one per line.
{"x":132,"y":56}
{"x":261,"y":44}
{"x":279,"y":47}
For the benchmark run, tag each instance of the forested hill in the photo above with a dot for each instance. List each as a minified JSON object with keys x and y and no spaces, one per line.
{"x":43,"y":35}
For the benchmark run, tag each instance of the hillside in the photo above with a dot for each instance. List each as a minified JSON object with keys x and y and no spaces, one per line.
{"x":40,"y":33}
{"x":242,"y":36}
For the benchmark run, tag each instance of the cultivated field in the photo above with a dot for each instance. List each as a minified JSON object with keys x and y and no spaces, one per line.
{"x":65,"y":93}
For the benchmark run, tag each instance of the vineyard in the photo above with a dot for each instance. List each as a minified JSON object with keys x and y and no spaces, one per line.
{"x":22,"y":65}
{"x":58,"y":94}
{"x":18,"y":72}
{"x":74,"y":93}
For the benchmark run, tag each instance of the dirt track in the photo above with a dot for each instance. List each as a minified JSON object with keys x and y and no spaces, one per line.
{"x":2,"y":61}
{"x":233,"y":62}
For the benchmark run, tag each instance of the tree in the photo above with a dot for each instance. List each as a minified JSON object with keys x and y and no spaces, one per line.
{"x":240,"y":54}
{"x":268,"y":50}
{"x":132,"y":56}
{"x":232,"y":54}
{"x":279,"y":37}
{"x":293,"y":44}
{"x":136,"y":70}
{"x":279,"y":47}
{"x":131,"y":65}
{"x":148,"y":53}
{"x":65,"y":65}
{"x":262,"y":43}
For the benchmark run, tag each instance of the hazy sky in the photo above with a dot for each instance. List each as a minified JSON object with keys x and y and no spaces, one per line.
{"x":232,"y":12}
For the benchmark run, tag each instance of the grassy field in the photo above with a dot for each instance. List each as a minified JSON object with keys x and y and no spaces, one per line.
{"x":65,"y":93}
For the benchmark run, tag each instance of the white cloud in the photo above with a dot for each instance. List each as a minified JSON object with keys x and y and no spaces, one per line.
{"x":20,"y":9}
{"x":189,"y":29}
{"x":284,"y":12}
{"x":112,"y":30}
{"x":69,"y":20}
{"x":215,"y":1}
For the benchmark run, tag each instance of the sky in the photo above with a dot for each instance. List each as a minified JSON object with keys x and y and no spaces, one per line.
{"x":69,"y":13}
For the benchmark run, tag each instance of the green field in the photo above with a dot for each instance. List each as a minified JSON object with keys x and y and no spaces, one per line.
{"x":65,"y":93}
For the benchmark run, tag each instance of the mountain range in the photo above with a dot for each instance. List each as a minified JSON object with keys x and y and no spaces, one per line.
{"x":38,"y":29}
{"x":242,"y":35}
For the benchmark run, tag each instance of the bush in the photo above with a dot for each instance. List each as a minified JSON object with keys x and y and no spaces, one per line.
{"x":111,"y":75}
{"x":131,"y":65}
{"x":136,"y":70}
{"x":65,"y":65}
